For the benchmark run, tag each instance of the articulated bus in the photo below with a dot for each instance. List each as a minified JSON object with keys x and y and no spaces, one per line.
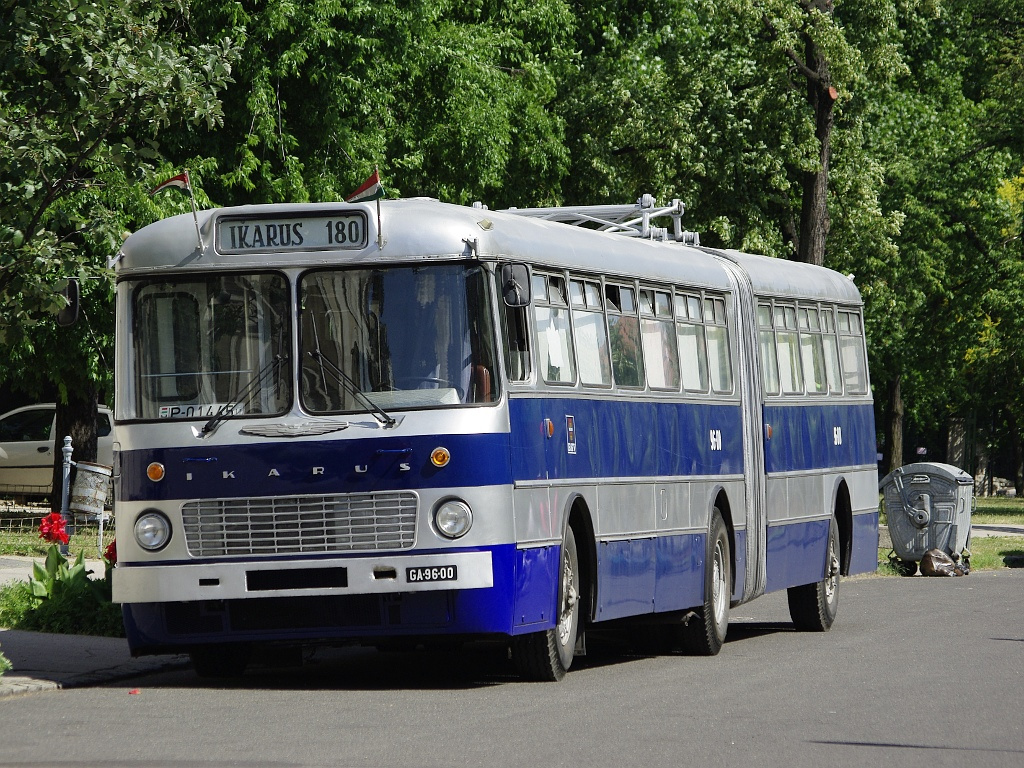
{"x":343,"y":423}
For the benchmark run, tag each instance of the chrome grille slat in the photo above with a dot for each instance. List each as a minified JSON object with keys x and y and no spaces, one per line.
{"x":295,"y":524}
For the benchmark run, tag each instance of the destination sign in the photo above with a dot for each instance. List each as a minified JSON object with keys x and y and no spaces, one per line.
{"x":318,"y":232}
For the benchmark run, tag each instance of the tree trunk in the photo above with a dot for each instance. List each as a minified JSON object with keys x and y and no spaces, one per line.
{"x":78,"y":419}
{"x":1018,"y":454}
{"x":895,"y":425}
{"x":814,"y":218}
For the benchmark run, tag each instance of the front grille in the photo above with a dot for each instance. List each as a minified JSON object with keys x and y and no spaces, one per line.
{"x":291,"y":524}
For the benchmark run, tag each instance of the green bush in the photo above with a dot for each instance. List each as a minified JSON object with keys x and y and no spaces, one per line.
{"x":61,"y":598}
{"x":4,"y":664}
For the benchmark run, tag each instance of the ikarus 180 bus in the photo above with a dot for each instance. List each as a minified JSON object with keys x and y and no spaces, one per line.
{"x":342,"y":424}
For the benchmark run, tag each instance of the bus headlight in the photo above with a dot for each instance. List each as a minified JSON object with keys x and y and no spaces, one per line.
{"x":453,"y":518}
{"x":152,"y":530}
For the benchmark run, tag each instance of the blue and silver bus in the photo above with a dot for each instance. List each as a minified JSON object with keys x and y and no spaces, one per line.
{"x":346,"y":423}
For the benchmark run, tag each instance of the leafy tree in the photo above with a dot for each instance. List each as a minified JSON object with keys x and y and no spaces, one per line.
{"x":88,"y":86}
{"x":449,"y":99}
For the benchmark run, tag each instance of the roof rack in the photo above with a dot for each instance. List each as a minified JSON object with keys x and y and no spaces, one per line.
{"x":628,"y":220}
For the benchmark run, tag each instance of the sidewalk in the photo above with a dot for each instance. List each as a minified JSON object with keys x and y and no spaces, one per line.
{"x":46,"y":662}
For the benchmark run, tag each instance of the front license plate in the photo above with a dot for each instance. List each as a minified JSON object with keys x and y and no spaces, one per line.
{"x":431,"y":573}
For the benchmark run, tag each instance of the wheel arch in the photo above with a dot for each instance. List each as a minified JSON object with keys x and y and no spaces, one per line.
{"x":580,"y":520}
{"x":720,"y":500}
{"x":843,"y":511}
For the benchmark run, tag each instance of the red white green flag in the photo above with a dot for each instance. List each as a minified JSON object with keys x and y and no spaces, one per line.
{"x":179,"y":182}
{"x":371,"y":189}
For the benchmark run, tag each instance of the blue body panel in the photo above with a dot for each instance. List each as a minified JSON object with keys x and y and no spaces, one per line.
{"x":253,"y":467}
{"x":804,"y":437}
{"x":623,"y":438}
{"x":613,"y":439}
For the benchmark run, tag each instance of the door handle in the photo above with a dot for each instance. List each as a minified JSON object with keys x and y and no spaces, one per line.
{"x":43,"y":449}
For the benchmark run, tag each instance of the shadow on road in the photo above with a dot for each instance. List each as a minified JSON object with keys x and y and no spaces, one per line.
{"x":471,"y":666}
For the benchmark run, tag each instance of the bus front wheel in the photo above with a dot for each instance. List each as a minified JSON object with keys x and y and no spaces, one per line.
{"x":813,"y":607}
{"x":547,"y":655}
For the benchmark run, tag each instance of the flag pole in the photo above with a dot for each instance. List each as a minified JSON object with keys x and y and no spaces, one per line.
{"x":380,"y":233}
{"x":195,"y":215}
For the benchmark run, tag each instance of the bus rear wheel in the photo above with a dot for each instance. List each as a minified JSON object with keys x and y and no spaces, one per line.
{"x":546,"y":656}
{"x":703,"y":632}
{"x":813,"y":607}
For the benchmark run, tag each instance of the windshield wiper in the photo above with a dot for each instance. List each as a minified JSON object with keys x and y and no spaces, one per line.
{"x":243,"y":394}
{"x":353,"y":389}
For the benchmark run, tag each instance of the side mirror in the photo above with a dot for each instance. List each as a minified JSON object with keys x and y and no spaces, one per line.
{"x":69,"y":315}
{"x":515,"y":285}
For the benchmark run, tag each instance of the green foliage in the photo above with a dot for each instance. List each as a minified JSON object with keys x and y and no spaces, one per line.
{"x":61,"y":598}
{"x":5,"y":664}
{"x":451,"y":100}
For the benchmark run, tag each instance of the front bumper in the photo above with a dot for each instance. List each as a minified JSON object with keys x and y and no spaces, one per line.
{"x":375,"y":575}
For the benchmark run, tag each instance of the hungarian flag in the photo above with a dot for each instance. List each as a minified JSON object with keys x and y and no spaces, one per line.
{"x":370,"y":190}
{"x":180,"y":182}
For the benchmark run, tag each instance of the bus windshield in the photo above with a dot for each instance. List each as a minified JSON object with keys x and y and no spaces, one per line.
{"x":407,"y":337}
{"x":209,"y":346}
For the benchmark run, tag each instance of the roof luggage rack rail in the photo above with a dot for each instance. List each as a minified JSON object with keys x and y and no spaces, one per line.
{"x":628,"y":220}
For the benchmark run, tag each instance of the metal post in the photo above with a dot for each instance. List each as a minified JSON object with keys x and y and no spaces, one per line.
{"x":65,"y":482}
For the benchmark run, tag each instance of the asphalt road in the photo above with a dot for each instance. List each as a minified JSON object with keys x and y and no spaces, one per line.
{"x":915,"y":672}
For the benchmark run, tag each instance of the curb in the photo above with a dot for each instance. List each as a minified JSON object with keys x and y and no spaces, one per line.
{"x":16,"y":685}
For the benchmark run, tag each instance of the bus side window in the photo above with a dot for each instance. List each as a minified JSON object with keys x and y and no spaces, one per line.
{"x":551,"y":321}
{"x":693,"y":354}
{"x":719,"y":358}
{"x":590,"y":333}
{"x":624,"y":332}
{"x":660,"y":358}
{"x":812,"y":350}
{"x":517,"y":348}
{"x":766,"y":348}
{"x":788,"y":346}
{"x":832,"y":370}
{"x":851,"y":352}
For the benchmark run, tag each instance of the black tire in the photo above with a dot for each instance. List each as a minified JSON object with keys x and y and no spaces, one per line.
{"x":703,"y":632}
{"x":813,"y":607}
{"x":546,"y":656}
{"x":221,"y":661}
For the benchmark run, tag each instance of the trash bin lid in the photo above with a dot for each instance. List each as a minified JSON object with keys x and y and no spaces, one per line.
{"x":931,"y":469}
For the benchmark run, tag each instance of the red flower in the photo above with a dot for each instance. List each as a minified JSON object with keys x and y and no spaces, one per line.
{"x":110,"y":553}
{"x":51,"y":529}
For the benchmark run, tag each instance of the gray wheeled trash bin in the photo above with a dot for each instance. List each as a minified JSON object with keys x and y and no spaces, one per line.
{"x":928,"y":506}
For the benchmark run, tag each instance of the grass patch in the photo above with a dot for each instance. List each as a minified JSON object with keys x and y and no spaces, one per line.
{"x":998,"y":510}
{"x":988,"y":553}
{"x":28,"y":543}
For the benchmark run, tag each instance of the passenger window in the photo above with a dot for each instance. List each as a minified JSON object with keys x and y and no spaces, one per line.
{"x":766,"y":349}
{"x":576,"y":293}
{"x":719,"y":358}
{"x":693,"y":357}
{"x":659,"y":344}
{"x":591,"y":336}
{"x":851,"y":352}
{"x":551,"y":320}
{"x":788,"y":346}
{"x":812,"y":351}
{"x":624,"y":336}
{"x":833,"y":372}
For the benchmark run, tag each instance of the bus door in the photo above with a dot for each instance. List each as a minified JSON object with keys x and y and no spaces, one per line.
{"x":755,"y":572}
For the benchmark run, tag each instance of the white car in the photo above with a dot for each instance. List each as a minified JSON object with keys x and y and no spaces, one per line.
{"x":26,"y":448}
